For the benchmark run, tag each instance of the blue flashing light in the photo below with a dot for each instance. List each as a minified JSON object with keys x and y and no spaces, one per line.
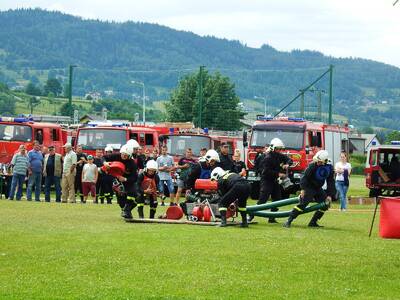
{"x":395,"y":142}
{"x":296,"y":119}
{"x":373,"y":143}
{"x":264,"y":118}
{"x":171,"y":130}
{"x":16,"y":120}
{"x":205,"y":130}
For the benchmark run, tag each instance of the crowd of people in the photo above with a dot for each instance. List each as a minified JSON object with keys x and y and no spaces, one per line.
{"x":137,"y":178}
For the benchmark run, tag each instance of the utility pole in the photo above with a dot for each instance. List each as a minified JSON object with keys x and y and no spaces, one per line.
{"x":71,"y":69}
{"x":319,"y":106}
{"x":330,"y":93}
{"x":200,"y":94}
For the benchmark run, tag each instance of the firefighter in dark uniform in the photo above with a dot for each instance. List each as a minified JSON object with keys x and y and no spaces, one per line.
{"x":225,"y":160}
{"x":81,"y":159}
{"x":231,"y":187}
{"x":202,"y":170}
{"x":138,"y":158}
{"x":105,"y":182}
{"x":126,"y":197}
{"x":272,"y":168}
{"x":147,"y":184}
{"x":317,"y":173}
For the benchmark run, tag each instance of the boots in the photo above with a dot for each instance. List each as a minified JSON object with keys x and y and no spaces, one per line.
{"x":317,"y":215}
{"x":223,"y":218}
{"x":272,"y":220}
{"x":244,"y":220}
{"x":250,"y":218}
{"x":140,"y":212}
{"x":127,"y":212}
{"x":152,"y":212}
{"x":293,"y":215}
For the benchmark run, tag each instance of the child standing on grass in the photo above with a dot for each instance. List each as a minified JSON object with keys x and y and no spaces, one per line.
{"x":89,"y":179}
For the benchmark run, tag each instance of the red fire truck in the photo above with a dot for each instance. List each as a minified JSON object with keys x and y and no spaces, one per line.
{"x":302,"y":140}
{"x":17,"y":131}
{"x":382,"y":169}
{"x":99,"y":135}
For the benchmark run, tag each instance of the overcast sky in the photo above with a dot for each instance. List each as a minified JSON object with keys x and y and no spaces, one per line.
{"x":342,"y":28}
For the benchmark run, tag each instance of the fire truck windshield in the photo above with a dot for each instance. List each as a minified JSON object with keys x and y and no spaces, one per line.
{"x":178,"y":143}
{"x":11,"y":132}
{"x":293,"y":139}
{"x":98,"y":138}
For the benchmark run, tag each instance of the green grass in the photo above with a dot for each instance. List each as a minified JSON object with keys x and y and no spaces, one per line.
{"x":53,"y":251}
{"x":357,"y":186}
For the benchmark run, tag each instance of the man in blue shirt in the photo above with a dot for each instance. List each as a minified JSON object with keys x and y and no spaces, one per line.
{"x":35,"y":157}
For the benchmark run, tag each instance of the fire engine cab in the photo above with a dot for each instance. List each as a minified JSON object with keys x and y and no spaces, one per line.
{"x":302,"y":140}
{"x":99,"y":135}
{"x":382,"y":169}
{"x":17,"y":131}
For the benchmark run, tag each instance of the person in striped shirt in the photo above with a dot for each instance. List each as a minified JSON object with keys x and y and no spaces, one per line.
{"x":20,"y":163}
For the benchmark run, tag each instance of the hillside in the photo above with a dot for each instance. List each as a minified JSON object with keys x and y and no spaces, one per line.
{"x":37,"y":44}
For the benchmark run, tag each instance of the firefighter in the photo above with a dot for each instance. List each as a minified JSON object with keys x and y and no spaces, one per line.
{"x":126,"y":193}
{"x":81,"y":160}
{"x":147,"y":184}
{"x":136,"y":156}
{"x":272,"y":168}
{"x":231,"y":187}
{"x":202,"y":170}
{"x":317,"y":173}
{"x":106,"y":182}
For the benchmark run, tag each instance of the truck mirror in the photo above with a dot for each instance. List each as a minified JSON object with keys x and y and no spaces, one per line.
{"x":244,"y":136}
{"x":307,"y":150}
{"x":245,"y":144}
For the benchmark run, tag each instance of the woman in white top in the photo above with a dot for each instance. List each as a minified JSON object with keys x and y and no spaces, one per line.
{"x":343,"y":170}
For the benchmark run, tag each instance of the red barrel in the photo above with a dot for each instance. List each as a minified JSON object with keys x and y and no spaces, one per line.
{"x":389,"y":225}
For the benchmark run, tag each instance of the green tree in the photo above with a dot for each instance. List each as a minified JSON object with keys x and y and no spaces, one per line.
{"x":392,"y":136}
{"x":7,"y":104}
{"x":220,"y":103}
{"x":67,"y":110}
{"x":32,"y":89}
{"x":33,"y":102}
{"x":52,"y":85}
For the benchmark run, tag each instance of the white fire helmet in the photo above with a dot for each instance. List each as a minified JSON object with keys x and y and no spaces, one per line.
{"x":217,"y":173}
{"x":212,"y":155}
{"x":151,"y":165}
{"x":322,"y":156}
{"x":108,"y":149}
{"x":133,"y":143}
{"x":126,"y":150}
{"x":276,"y":144}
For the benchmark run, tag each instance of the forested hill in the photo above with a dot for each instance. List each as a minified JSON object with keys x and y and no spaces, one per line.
{"x":36,"y":44}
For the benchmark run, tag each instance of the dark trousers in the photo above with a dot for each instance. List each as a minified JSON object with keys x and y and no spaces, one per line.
{"x":78,"y":185}
{"x":240,"y":192}
{"x":152,"y":202}
{"x":310,"y":195}
{"x":48,"y":182}
{"x":269,"y":188}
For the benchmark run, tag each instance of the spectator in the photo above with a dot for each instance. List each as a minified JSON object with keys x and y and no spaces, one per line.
{"x":52,"y":171}
{"x":225,"y":161}
{"x":203,"y":152}
{"x":155,"y":153}
{"x":165,"y":167}
{"x":68,"y":175}
{"x":239,"y":167}
{"x":89,"y":178}
{"x":147,"y":155}
{"x":20,"y":163}
{"x":35,"y":169}
{"x":343,"y":170}
{"x":185,"y":165}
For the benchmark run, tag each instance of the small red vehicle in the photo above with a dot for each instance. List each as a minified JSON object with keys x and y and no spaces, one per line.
{"x":382,"y":169}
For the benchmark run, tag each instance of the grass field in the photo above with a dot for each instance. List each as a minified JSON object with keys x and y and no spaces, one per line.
{"x":74,"y":251}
